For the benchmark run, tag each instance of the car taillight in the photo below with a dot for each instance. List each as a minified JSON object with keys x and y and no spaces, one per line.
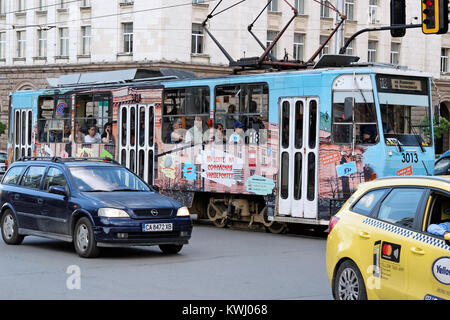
{"x":6,"y":165}
{"x":334,"y":220}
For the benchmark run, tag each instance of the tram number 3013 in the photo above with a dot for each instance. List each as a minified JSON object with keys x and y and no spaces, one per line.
{"x":410,"y":157}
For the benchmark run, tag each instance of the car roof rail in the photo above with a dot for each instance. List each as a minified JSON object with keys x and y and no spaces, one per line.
{"x":53,"y":159}
{"x":98,"y":159}
{"x":71,"y":159}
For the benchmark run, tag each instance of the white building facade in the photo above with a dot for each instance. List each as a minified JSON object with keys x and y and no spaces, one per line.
{"x":42,"y":38}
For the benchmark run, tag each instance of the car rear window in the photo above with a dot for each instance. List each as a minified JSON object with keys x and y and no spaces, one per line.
{"x":368,"y":201}
{"x":13,"y":175}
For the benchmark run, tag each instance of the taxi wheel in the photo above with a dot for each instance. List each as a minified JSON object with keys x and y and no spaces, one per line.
{"x":10,"y":231}
{"x":84,"y":240}
{"x":348,"y":283}
{"x":170,"y":248}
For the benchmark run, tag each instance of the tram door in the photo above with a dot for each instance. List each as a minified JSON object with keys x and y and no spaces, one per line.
{"x":299,"y":149}
{"x":136,"y":139}
{"x":22,"y":132}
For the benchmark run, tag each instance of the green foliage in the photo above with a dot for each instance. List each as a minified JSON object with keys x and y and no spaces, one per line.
{"x":2,"y":128}
{"x":442,"y":128}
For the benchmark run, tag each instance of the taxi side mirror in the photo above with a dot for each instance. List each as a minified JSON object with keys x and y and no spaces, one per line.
{"x":447,"y":239}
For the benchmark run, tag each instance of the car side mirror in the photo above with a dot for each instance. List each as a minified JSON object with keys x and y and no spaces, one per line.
{"x":58,"y":190}
{"x":447,"y":239}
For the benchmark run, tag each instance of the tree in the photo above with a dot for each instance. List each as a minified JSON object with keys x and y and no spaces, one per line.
{"x":442,"y":128}
{"x":2,"y":128}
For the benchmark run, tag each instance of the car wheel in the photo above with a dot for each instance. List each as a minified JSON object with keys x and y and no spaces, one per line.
{"x":84,"y":240}
{"x":10,"y":230}
{"x":348,"y":283}
{"x":170,"y":248}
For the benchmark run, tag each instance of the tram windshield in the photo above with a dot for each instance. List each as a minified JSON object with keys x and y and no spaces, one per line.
{"x":405,"y":110}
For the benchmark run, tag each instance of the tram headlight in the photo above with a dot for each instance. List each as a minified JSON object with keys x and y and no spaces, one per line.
{"x":183,"y":212}
{"x":112,"y":213}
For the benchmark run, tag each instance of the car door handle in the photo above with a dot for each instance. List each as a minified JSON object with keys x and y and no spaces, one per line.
{"x":40,"y":201}
{"x":16,"y":196}
{"x":364,"y":235}
{"x":418,"y":251}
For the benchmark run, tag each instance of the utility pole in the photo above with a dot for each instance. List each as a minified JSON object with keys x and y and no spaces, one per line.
{"x":340,"y":33}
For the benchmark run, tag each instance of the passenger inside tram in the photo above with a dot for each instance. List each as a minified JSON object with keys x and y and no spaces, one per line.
{"x":79,"y":135}
{"x":175,"y":135}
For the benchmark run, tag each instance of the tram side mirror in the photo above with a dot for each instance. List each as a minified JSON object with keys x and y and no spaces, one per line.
{"x":349,"y":102}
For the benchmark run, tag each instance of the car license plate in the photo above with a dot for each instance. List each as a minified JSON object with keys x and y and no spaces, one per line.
{"x":157,"y":227}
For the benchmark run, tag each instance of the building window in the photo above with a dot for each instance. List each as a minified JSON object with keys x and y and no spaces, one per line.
{"x":326,"y":49}
{"x":373,"y":9}
{"x":395,"y":53}
{"x":198,"y":1}
{"x":64,"y":42}
{"x":444,"y":60}
{"x":273,"y":6}
{"x":85,"y":3}
{"x":20,"y":5}
{"x":2,"y":45}
{"x":270,"y":38}
{"x":350,"y":48}
{"x":21,"y":44}
{"x":372,"y":51}
{"x":42,"y":43}
{"x":350,"y":9}
{"x":324,"y":11}
{"x":62,"y":4}
{"x":42,"y":5}
{"x":127,"y":37}
{"x":2,"y":6}
{"x":197,"y":39}
{"x":299,"y":46}
{"x":300,"y":6}
{"x":86,"y":40}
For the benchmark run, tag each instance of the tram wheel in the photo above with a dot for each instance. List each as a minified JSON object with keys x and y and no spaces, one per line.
{"x":272,"y":226}
{"x":212,"y":215}
{"x":276,"y":227}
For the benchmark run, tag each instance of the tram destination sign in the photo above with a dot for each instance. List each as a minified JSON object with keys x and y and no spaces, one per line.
{"x":402,"y":84}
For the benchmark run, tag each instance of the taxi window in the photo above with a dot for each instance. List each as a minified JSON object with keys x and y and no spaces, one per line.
{"x":366,"y":204}
{"x":394,"y":209}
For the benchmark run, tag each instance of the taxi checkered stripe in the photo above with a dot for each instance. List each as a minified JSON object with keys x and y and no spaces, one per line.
{"x":407,"y":233}
{"x":431,"y":241}
{"x":388,"y":227}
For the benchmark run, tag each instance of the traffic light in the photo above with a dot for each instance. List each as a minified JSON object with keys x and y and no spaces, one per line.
{"x":398,"y":17}
{"x":434,"y":16}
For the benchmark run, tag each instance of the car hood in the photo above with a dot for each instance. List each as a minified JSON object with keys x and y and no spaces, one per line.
{"x":132,"y":200}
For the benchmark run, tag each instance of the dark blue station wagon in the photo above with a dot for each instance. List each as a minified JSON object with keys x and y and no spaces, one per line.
{"x":90,"y":202}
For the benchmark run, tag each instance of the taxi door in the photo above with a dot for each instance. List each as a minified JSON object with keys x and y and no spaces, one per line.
{"x":429,"y":257}
{"x":390,"y":229}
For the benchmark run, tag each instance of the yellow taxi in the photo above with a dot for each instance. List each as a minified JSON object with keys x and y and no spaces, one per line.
{"x":378,"y":246}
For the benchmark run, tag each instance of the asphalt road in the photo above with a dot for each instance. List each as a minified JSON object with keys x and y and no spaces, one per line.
{"x":217,"y":264}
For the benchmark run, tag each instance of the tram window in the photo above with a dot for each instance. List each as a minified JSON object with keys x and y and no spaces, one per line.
{"x":151,"y":126}
{"x":284,"y":175}
{"x":311,"y":177}
{"x":185,"y":115}
{"x":30,"y":126}
{"x":243,"y":105}
{"x":285,"y":124}
{"x":299,"y":124}
{"x":298,"y":176}
{"x":354,"y":114}
{"x":54,"y":117}
{"x":312,"y":123}
{"x":93,"y":116}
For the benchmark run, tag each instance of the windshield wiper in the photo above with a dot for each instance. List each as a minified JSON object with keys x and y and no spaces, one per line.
{"x":97,"y":191}
{"x":415,"y":134}
{"x":118,"y":190}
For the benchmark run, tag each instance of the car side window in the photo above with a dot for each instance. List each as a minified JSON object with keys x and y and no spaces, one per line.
{"x":13,"y":175}
{"x":32,"y":178}
{"x":54,"y":177}
{"x":369,"y":201}
{"x":400,"y":206}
